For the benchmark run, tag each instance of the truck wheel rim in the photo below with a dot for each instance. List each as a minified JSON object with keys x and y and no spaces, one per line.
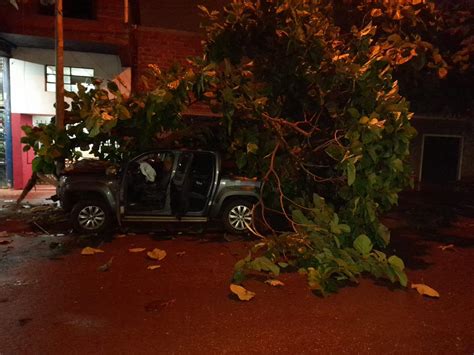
{"x":91,"y":217}
{"x":239,"y":217}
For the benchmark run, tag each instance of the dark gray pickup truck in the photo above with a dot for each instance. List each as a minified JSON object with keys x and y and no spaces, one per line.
{"x":158,"y":186}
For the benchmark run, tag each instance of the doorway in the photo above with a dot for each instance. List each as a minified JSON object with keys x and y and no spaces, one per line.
{"x":441,"y":158}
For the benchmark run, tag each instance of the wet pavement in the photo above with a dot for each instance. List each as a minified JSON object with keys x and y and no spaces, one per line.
{"x":53,"y":300}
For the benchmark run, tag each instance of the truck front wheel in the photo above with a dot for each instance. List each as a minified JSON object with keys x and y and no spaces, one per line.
{"x":91,"y":216}
{"x":236,"y":215}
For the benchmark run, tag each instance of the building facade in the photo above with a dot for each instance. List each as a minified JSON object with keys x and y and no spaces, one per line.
{"x":102,"y":39}
{"x":106,"y":38}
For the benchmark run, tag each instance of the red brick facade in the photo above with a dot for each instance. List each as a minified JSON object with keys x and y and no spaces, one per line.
{"x":176,"y":14}
{"x":137,"y":46}
{"x":163,"y":47}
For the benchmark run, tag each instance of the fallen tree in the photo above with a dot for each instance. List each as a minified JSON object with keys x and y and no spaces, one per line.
{"x":308,"y":104}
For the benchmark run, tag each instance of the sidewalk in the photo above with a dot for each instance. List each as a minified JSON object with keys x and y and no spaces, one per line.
{"x":39,"y":195}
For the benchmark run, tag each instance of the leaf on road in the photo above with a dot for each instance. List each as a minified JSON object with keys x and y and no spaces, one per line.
{"x":180,"y":253}
{"x":106,"y":266}
{"x":274,"y":283}
{"x":120,"y":236}
{"x":156,"y":254}
{"x":5,"y":241}
{"x":447,"y":247}
{"x":91,"y":251}
{"x":136,"y":250}
{"x":241,"y":292}
{"x":153,"y":267}
{"x":425,"y":290}
{"x":3,"y":234}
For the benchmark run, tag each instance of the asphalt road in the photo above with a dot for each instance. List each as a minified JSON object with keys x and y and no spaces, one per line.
{"x":53,"y":300}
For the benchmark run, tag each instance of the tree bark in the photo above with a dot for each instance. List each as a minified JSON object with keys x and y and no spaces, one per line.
{"x":59,"y":65}
{"x":29,"y":186}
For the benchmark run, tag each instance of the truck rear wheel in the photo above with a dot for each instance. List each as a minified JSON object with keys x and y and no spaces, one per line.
{"x":91,"y":216}
{"x":236,"y":215}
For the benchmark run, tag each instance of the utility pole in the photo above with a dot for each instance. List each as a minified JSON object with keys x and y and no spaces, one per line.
{"x":59,"y":65}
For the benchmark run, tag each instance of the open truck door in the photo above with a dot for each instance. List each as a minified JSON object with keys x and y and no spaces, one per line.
{"x":181,"y":185}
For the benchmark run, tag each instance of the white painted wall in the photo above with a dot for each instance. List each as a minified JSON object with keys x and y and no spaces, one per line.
{"x":27,"y":79}
{"x":27,"y":89}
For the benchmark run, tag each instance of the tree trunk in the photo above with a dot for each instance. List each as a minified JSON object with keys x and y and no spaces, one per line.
{"x":59,"y":65}
{"x":29,"y":186}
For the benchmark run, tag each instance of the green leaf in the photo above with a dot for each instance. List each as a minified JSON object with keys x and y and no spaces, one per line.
{"x":123,"y":112}
{"x":252,"y":148}
{"x":351,"y":173}
{"x":241,"y":160}
{"x":396,"y":262}
{"x":318,"y":201}
{"x":401,"y":275}
{"x":27,"y":129}
{"x":242,"y":262}
{"x":383,"y":233}
{"x":363,"y":244}
{"x":94,"y":131}
{"x":380,"y":256}
{"x":335,"y":151}
{"x":345,"y":228}
{"x":353,"y":112}
{"x":37,"y":164}
{"x":397,"y":165}
{"x":262,"y":263}
{"x":299,"y":217}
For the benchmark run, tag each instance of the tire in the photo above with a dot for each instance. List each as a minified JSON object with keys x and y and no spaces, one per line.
{"x":235,"y":214}
{"x":91,"y":216}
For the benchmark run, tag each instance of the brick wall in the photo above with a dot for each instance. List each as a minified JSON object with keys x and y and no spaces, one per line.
{"x":176,"y":14}
{"x":107,"y":28}
{"x":163,"y":47}
{"x":110,"y":11}
{"x":136,"y":46}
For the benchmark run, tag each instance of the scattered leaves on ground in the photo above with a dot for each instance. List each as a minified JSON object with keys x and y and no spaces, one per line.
{"x":5,"y":241}
{"x":156,"y":254}
{"x":106,"y":266}
{"x":153,"y":267}
{"x":180,"y":253}
{"x":446,"y":247}
{"x":273,"y":282}
{"x":91,"y":251}
{"x":136,"y":250}
{"x":3,"y":234}
{"x":241,"y":292}
{"x":425,"y":290}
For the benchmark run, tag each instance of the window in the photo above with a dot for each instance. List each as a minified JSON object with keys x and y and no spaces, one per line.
{"x":72,"y":77}
{"x":82,"y":9}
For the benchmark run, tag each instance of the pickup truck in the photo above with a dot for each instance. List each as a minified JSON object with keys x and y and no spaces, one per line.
{"x":158,"y":186}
